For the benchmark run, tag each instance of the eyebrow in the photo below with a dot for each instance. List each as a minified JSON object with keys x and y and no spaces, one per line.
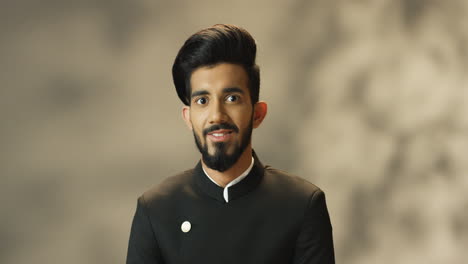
{"x":225,"y":90}
{"x":233,"y":90}
{"x":201,"y":92}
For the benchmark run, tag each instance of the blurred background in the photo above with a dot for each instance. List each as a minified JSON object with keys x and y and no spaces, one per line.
{"x":368,"y":99}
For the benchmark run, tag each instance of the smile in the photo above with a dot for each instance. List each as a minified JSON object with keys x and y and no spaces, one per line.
{"x":220,"y":135}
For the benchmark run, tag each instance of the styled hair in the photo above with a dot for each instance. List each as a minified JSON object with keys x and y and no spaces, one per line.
{"x":220,"y":43}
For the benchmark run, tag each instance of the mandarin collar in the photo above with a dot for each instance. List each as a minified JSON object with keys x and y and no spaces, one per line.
{"x":236,"y":191}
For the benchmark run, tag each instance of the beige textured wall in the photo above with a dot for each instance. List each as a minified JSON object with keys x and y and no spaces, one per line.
{"x":368,"y":99}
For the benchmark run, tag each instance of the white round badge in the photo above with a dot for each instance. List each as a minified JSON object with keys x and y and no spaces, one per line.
{"x":186,"y":226}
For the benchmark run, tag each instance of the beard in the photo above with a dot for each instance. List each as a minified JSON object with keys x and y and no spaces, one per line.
{"x":221,"y":160}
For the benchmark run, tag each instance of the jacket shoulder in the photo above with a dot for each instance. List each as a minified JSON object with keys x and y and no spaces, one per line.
{"x":169,"y":187}
{"x":290,"y":183}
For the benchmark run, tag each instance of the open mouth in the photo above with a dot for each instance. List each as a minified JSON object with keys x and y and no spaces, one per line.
{"x":220,"y":135}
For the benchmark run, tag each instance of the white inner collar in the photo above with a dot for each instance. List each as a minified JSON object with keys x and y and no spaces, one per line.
{"x":233,"y":182}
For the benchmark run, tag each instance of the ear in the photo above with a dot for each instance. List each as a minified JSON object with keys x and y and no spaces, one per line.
{"x":260,"y":111}
{"x":186,"y":116}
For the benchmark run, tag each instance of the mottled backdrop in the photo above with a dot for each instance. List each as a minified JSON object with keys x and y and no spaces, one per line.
{"x":368,"y":99}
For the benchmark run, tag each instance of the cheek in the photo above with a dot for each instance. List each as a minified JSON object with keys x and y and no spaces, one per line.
{"x":199,"y":133}
{"x":244,"y":120}
{"x":197,"y":128}
{"x":196,"y":121}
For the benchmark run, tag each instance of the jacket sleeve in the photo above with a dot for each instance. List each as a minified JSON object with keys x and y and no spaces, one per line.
{"x":315,"y":241}
{"x":142,"y":246}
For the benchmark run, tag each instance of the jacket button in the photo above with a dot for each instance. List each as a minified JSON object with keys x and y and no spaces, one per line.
{"x":186,"y":226}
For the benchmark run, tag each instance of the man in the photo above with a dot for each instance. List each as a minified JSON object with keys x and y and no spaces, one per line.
{"x":229,"y":208}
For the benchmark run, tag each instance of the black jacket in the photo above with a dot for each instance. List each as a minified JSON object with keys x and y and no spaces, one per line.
{"x":271,"y":217}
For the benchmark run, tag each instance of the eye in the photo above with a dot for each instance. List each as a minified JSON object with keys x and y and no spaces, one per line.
{"x":201,"y":101}
{"x":232,"y":98}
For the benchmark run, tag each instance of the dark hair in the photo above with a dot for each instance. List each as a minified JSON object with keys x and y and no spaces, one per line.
{"x":208,"y":47}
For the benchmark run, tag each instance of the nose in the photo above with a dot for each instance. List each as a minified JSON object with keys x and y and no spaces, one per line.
{"x":217,"y":113}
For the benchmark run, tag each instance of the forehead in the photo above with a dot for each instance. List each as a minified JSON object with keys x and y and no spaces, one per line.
{"x":215,"y":78}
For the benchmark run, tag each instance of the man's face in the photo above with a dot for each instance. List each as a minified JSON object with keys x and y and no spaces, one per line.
{"x":220,"y":113}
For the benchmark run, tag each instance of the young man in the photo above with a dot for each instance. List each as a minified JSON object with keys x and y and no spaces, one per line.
{"x":229,"y":208}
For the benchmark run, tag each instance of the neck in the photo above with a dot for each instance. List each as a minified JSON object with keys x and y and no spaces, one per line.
{"x":225,"y":177}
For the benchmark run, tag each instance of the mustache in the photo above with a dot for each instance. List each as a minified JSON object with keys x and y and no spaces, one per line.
{"x":219,"y":127}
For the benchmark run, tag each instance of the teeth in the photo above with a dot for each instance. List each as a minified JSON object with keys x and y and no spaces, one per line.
{"x":218,"y":134}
